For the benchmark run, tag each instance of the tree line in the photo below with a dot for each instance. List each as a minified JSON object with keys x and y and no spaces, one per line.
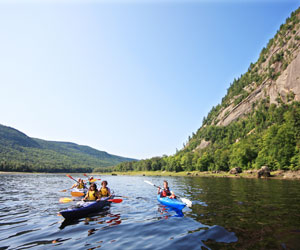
{"x":269,"y":135}
{"x":15,"y":166}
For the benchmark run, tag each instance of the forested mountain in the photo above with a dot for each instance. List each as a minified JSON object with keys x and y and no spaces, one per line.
{"x":258,"y":121}
{"x":18,"y":152}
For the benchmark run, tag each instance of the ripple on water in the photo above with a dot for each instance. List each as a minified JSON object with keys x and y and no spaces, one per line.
{"x":29,"y":219}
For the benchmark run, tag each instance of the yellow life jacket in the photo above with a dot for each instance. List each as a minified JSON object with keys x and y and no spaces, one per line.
{"x":104,"y":192}
{"x":92,"y":195}
{"x":80,"y":186}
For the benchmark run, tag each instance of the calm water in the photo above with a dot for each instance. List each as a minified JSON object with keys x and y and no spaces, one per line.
{"x":227,"y":214}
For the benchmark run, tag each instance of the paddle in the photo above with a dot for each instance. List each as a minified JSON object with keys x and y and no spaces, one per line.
{"x":77,"y":194}
{"x":65,"y":190}
{"x":184,"y":200}
{"x":92,"y":180}
{"x":72,"y":178}
{"x":65,"y":200}
{"x":151,"y":184}
{"x":126,"y":197}
{"x":115,"y":200}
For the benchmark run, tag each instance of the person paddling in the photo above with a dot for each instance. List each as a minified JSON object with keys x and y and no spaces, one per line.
{"x":92,"y":194}
{"x":166,"y":192}
{"x":91,"y":180}
{"x":104,"y":191}
{"x":80,"y":184}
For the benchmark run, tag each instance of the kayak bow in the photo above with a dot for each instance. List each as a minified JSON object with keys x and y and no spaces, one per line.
{"x":171,"y":202}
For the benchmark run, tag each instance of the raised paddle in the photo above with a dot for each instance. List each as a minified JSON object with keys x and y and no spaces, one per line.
{"x":65,"y":200}
{"x":151,"y":184}
{"x":72,"y":178}
{"x":184,"y":200}
{"x":65,"y":190}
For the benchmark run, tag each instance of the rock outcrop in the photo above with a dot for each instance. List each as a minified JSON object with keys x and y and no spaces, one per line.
{"x":286,"y":86}
{"x":235,"y":171}
{"x":202,"y":145}
{"x":264,"y":172}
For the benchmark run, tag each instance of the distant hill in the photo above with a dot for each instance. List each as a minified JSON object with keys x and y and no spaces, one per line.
{"x":257,"y":122}
{"x":19,"y":152}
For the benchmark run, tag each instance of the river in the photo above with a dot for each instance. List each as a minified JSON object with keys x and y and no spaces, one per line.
{"x":226,"y":214}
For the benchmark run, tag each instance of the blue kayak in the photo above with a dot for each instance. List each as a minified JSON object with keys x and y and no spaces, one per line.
{"x":175,"y":203}
{"x":84,"y":208}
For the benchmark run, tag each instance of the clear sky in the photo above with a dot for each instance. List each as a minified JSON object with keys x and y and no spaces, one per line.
{"x":133,"y":78}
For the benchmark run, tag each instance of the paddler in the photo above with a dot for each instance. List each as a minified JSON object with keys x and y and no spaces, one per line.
{"x":104,"y":191}
{"x":92,"y":194}
{"x":166,"y":192}
{"x":80,"y":184}
{"x":91,"y":180}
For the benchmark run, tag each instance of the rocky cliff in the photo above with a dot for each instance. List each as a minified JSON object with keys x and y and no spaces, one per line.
{"x":257,"y":124}
{"x":279,"y":71}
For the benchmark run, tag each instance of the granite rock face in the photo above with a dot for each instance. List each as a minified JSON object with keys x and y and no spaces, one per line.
{"x":286,"y":86}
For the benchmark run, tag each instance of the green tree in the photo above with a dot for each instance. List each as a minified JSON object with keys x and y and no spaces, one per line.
{"x":242,"y":155}
{"x":221,"y":159}
{"x":278,"y":147}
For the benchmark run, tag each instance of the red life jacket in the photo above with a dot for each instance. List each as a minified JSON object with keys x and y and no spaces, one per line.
{"x":165,"y":192}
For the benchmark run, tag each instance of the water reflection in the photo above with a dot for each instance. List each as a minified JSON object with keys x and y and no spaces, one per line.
{"x":226,"y":214}
{"x":106,"y":218}
{"x":167,"y":212}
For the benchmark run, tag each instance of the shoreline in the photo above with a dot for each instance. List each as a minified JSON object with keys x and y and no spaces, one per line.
{"x":250,"y":174}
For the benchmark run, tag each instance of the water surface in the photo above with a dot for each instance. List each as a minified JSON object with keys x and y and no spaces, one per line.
{"x":227,"y":214}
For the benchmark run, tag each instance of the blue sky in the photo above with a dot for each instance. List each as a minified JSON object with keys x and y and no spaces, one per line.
{"x":133,"y":78}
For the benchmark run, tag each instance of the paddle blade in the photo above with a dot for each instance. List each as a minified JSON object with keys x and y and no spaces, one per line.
{"x":187,"y":202}
{"x":65,"y":190}
{"x":77,"y":194}
{"x":115,"y":200}
{"x":65,"y":200}
{"x":94,"y":180}
{"x":149,"y":182}
{"x":85,"y":175}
